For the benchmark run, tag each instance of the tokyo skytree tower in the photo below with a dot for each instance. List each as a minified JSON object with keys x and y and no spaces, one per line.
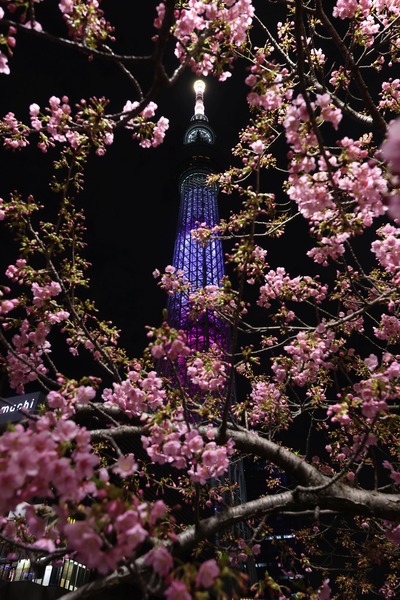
{"x":202,"y":265}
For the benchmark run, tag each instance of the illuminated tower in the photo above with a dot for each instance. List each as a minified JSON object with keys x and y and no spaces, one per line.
{"x":202,"y":265}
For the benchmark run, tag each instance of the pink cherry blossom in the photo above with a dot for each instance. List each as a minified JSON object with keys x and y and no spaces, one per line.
{"x":324,"y":592}
{"x":4,"y":67}
{"x":160,"y":560}
{"x":391,"y":147}
{"x":208,"y":573}
{"x":257,"y":147}
{"x":177,"y":591}
{"x":387,"y":250}
{"x":125,"y":466}
{"x":345,"y":9}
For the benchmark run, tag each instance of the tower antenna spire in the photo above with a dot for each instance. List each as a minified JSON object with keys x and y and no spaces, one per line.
{"x":198,"y":130}
{"x":199,"y":87}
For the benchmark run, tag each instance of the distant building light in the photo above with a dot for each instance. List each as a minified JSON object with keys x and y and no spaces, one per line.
{"x":284,"y":536}
{"x":11,"y":408}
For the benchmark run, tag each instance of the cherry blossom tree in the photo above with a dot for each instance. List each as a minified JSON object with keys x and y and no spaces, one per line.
{"x":114,"y":461}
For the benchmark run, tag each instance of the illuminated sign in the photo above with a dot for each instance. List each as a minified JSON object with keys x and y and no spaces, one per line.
{"x":12,"y":409}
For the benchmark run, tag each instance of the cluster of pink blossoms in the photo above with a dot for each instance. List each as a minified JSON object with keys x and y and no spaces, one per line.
{"x":14,"y":133}
{"x":59,"y":125}
{"x":389,"y":329}
{"x":205,"y":578}
{"x":161,"y":561}
{"x":41,"y":294}
{"x":308,"y":355}
{"x":387,"y":379}
{"x":268,"y":96}
{"x":312,"y":195}
{"x":387,"y":250}
{"x":390,"y":149}
{"x":390,"y":95}
{"x":329,"y":247}
{"x":364,"y":182}
{"x":64,"y":403}
{"x":210,"y":375}
{"x":368,"y":25}
{"x":347,"y":9}
{"x":59,"y":118}
{"x":298,"y":134}
{"x":203,"y":233}
{"x":148,"y":133}
{"x":390,"y":152}
{"x":172,"y":280}
{"x":268,"y":404}
{"x":8,"y":42}
{"x":185,"y":448}
{"x":25,"y":363}
{"x":17,"y":272}
{"x":299,"y":137}
{"x":256,"y":264}
{"x":279,"y":285}
{"x":309,"y":190}
{"x":319,"y":186}
{"x":86,"y":22}
{"x":127,"y":525}
{"x":373,"y":395}
{"x":208,"y":298}
{"x":227,"y":22}
{"x":138,"y":394}
{"x":53,"y":459}
{"x":8,"y":305}
{"x":168,"y":343}
{"x":31,"y":464}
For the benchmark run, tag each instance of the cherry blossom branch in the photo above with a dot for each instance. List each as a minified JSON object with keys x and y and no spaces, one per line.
{"x":100,"y":411}
{"x":108,"y":364}
{"x":381,"y":34}
{"x":44,"y":379}
{"x":344,"y":106}
{"x":78,"y":46}
{"x":34,"y":549}
{"x":122,"y":431}
{"x":346,"y":499}
{"x":236,"y":317}
{"x":378,"y":121}
{"x":300,"y":40}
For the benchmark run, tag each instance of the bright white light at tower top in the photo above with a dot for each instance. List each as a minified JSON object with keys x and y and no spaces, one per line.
{"x":199,"y":87}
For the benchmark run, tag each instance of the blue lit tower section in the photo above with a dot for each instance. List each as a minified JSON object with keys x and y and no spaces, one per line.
{"x":202,"y":265}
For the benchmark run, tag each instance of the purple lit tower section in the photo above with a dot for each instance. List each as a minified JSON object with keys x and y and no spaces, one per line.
{"x":202,"y":265}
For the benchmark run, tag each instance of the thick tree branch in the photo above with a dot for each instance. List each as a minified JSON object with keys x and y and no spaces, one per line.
{"x":344,"y":498}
